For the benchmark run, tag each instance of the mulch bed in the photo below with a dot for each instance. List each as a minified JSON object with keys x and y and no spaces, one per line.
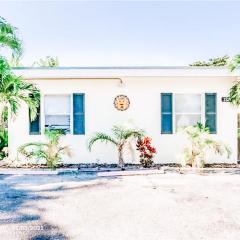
{"x":129,"y":166}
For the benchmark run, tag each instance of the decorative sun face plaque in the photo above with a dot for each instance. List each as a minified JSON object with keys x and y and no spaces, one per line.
{"x":121,"y":102}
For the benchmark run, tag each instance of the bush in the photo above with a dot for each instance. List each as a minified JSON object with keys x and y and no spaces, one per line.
{"x":147,"y":152}
{"x":3,"y":143}
{"x":199,"y":142}
{"x":51,"y":151}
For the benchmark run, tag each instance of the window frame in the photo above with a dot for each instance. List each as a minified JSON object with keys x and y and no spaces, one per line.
{"x":202,"y":102}
{"x":203,"y":119}
{"x":70,"y":114}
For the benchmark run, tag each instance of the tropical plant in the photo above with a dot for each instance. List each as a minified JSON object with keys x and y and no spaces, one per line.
{"x":9,"y":38}
{"x":199,"y":142}
{"x":121,"y":136}
{"x":234,"y":63}
{"x":13,"y":91}
{"x":234,"y":91}
{"x":47,"y":62}
{"x":51,"y":151}
{"x":3,"y":143}
{"x":14,"y":62}
{"x":216,"y":62}
{"x":147,"y":152}
{"x":234,"y":94}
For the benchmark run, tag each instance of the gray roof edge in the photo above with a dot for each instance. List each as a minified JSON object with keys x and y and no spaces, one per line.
{"x":118,"y":67}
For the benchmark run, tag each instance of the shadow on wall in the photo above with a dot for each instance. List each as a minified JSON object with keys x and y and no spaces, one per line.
{"x":18,"y":225}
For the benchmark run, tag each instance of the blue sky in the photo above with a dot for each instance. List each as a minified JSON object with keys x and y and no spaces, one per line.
{"x":126,"y":33}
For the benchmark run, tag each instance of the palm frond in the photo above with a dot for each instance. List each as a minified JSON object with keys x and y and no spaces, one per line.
{"x":102,"y":137}
{"x":13,"y":91}
{"x":51,"y":150}
{"x":234,"y":94}
{"x":123,"y":133}
{"x":31,"y":150}
{"x":9,"y":38}
{"x":65,"y":150}
{"x":132,"y":133}
{"x":234,"y":63}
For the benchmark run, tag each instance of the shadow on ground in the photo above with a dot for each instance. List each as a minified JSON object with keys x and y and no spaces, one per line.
{"x":14,"y":200}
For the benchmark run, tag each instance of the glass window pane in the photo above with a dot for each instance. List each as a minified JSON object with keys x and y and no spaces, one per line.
{"x":57,"y":104}
{"x":188,"y":103}
{"x":57,"y":112}
{"x":57,"y":120}
{"x":184,"y":120}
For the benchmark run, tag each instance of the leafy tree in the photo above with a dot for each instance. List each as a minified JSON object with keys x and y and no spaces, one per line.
{"x":234,"y":63}
{"x":14,"y":91}
{"x":47,"y":62}
{"x":51,"y":151}
{"x":216,"y":62}
{"x":234,"y":92}
{"x":199,"y":142}
{"x":121,"y":136}
{"x":9,"y":38}
{"x":3,"y":143}
{"x":15,"y":62}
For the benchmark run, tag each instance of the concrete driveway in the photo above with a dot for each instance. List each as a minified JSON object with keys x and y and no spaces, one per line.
{"x":167,"y":206}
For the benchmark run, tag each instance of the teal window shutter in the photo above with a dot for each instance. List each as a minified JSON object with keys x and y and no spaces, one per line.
{"x":211,"y":111}
{"x":166,"y":113}
{"x":34,"y":126}
{"x":78,"y":114}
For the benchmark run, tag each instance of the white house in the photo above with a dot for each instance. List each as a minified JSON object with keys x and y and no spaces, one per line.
{"x":161,"y":99}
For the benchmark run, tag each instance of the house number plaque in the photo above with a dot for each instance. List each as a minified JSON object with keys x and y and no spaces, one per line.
{"x":225,"y":99}
{"x":121,"y":102}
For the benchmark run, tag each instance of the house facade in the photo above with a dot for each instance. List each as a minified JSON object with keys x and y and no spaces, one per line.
{"x":159,"y":100}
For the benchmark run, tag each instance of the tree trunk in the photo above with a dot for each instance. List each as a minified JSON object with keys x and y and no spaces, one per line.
{"x":120,"y":157}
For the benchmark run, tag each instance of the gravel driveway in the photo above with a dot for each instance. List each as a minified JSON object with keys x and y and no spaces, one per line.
{"x":167,"y":206}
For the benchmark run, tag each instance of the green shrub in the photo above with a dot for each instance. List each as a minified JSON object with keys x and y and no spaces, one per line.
{"x":51,"y":151}
{"x":120,"y":137}
{"x":3,"y":143}
{"x":199,"y":142}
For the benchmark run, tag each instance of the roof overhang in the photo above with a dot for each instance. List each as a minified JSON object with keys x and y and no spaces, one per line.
{"x":118,"y":72}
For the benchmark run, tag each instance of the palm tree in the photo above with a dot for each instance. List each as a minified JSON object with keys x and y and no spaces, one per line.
{"x":213,"y":62}
{"x":234,"y":63}
{"x":234,"y":92}
{"x":14,"y":91}
{"x":50,"y":151}
{"x":8,"y":37}
{"x":121,"y":136}
{"x":199,"y":142}
{"x":48,"y":61}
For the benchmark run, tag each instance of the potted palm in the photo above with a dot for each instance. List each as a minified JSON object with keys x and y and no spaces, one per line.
{"x":120,"y":137}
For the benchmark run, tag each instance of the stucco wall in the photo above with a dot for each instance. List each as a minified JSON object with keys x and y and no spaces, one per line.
{"x":144,"y":112}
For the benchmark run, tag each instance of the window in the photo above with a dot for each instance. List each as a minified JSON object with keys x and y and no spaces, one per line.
{"x":187,"y":110}
{"x":57,"y":112}
{"x":181,"y":110}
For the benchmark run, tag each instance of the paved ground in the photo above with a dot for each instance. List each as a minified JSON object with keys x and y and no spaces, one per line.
{"x":167,"y":206}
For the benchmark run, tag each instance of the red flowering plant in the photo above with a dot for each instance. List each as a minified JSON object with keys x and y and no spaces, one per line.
{"x":147,"y":152}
